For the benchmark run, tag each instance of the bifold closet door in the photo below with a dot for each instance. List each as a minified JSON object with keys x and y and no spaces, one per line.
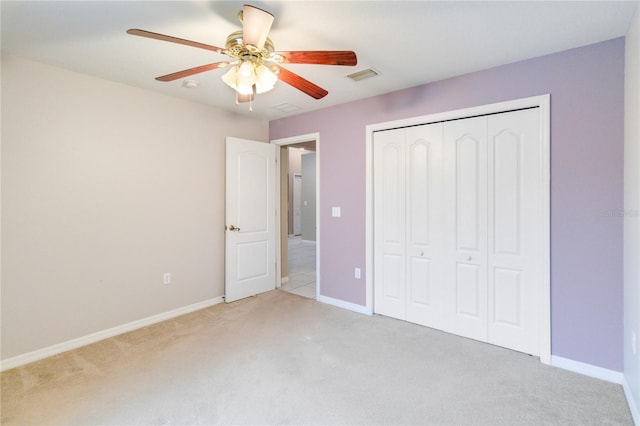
{"x":389,"y":227}
{"x":424,"y":217}
{"x":465,"y":164}
{"x":456,"y":227}
{"x":493,"y":212}
{"x":408,"y":267}
{"x":514,"y":250}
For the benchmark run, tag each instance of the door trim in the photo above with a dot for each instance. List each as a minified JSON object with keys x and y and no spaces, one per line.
{"x":542,"y":102}
{"x":291,"y":141}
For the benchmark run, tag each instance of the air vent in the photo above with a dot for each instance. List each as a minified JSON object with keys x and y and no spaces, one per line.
{"x":361,"y":75}
{"x":286,"y":107}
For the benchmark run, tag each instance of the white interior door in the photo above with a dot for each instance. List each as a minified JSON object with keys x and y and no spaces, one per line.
{"x":250,"y":218}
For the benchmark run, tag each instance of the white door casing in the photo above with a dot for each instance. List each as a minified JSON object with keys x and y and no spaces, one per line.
{"x":290,"y":141}
{"x":250,"y":230}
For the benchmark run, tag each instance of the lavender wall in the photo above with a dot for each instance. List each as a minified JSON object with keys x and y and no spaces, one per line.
{"x":587,"y":101}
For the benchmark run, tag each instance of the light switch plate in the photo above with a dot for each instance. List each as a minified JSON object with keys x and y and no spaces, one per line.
{"x":335,"y":211}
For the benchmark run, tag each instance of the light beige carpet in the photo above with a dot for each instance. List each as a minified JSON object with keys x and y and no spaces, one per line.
{"x":279,"y":358}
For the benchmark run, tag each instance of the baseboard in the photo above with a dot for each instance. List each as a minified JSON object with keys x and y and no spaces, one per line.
{"x":633,"y":407}
{"x":587,"y":369}
{"x":345,"y":305}
{"x":59,"y":348}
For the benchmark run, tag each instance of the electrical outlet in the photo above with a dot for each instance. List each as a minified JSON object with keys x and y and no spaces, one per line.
{"x":166,"y":278}
{"x":634,"y":349}
{"x":357,"y":273}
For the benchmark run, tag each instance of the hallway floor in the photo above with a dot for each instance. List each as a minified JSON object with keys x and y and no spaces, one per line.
{"x":302,"y":268}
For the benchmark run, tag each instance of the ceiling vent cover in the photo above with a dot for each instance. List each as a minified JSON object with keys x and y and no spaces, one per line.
{"x":361,"y":75}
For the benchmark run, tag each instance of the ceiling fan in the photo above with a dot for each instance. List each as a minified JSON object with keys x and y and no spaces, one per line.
{"x":255,"y":64}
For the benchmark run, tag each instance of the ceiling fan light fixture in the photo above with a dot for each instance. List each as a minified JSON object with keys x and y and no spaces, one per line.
{"x":265,"y":79}
{"x":241,"y":78}
{"x":245,"y":76}
{"x":230,"y":77}
{"x":256,"y":65}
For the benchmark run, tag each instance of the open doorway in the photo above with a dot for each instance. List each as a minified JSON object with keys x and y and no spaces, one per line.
{"x":298,"y":218}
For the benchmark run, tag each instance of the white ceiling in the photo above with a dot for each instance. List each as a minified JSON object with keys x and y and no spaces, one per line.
{"x":407,"y":42}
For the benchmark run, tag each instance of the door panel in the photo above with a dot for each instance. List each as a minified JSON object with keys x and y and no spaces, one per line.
{"x":465,"y":176}
{"x":424,"y":224}
{"x":250,"y":208}
{"x":514,"y":249}
{"x":468,"y":185}
{"x":468,"y":291}
{"x":392,"y":287}
{"x":507,"y":297}
{"x":506,"y":185}
{"x":252,"y":166}
{"x":252,"y":258}
{"x":389,"y":224}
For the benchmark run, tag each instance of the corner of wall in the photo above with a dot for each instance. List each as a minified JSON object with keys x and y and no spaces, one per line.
{"x":631,"y":216}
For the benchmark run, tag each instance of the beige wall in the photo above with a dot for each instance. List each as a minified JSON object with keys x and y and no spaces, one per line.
{"x":632,"y":214}
{"x":104,"y":188}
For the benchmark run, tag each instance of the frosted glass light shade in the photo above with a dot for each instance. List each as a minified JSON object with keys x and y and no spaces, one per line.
{"x":241,"y":78}
{"x":230,"y":77}
{"x":265,"y":79}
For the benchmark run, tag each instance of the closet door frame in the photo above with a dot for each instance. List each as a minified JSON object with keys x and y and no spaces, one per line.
{"x":544,"y":269}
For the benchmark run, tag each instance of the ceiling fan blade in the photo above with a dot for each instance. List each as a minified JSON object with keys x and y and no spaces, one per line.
{"x":192,"y":71}
{"x":156,"y":36}
{"x":320,"y":57}
{"x":256,"y":24}
{"x":301,"y":84}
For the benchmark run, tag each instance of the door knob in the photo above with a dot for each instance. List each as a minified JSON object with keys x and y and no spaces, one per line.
{"x":421,"y":253}
{"x":469,"y":258}
{"x":233,"y":228}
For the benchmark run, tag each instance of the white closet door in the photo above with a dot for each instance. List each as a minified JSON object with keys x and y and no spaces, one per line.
{"x":424,"y":230}
{"x":389,"y":223}
{"x":465,"y":157}
{"x":514,"y":185}
{"x":456,"y":219}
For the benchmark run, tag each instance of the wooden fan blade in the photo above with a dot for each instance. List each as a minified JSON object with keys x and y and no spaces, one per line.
{"x":156,"y":36}
{"x":192,"y":71}
{"x":320,"y":57}
{"x":302,"y":84}
{"x":256,"y":24}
